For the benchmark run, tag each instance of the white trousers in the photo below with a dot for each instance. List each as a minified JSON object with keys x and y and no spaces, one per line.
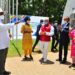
{"x":44,"y":48}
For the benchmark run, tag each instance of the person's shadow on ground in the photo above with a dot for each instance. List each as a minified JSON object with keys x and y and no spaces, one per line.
{"x":48,"y":62}
{"x":74,"y":69}
{"x":38,"y":51}
{"x":68,"y":63}
{"x":27,"y":60}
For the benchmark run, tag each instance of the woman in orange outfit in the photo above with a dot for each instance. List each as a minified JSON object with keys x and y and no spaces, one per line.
{"x":26,"y":30}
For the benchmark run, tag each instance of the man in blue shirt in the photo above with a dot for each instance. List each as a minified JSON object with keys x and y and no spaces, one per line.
{"x":37,"y":35}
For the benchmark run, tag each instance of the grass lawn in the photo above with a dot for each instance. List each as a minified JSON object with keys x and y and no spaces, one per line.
{"x":12,"y":51}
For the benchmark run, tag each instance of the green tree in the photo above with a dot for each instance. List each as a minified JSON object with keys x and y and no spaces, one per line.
{"x":50,"y":8}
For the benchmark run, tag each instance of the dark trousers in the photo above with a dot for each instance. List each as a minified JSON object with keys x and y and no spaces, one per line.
{"x":3,"y":55}
{"x":61,"y":46}
{"x":36,"y":42}
{"x":55,"y":42}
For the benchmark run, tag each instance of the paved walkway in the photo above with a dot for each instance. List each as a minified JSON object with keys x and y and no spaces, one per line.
{"x":18,"y":67}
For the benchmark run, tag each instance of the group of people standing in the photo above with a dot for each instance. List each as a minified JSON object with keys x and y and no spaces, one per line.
{"x":60,"y":36}
{"x":45,"y":31}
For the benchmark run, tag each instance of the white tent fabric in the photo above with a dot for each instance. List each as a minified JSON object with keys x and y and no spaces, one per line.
{"x":70,"y":6}
{"x":2,"y":4}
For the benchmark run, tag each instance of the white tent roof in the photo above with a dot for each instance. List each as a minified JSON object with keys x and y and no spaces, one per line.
{"x":1,"y":10}
{"x":70,"y":6}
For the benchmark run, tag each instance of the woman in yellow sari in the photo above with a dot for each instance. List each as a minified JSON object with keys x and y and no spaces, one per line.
{"x":27,"y":39}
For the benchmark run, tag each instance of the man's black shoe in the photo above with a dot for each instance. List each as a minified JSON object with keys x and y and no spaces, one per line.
{"x":73,"y":65}
{"x":41,"y":60}
{"x":63,"y":62}
{"x":53,"y":51}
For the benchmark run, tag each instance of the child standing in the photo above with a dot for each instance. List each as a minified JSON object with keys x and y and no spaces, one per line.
{"x":72,"y":35}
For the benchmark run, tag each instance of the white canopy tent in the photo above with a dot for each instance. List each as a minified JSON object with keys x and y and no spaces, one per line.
{"x":70,"y":6}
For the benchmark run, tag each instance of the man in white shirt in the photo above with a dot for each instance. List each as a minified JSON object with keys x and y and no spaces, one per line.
{"x":4,"y":42}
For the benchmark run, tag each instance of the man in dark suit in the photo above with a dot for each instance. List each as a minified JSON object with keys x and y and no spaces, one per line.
{"x":37,"y":35}
{"x":64,"y":40}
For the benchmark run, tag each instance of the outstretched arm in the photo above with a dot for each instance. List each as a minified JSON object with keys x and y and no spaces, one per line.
{"x":6,"y":26}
